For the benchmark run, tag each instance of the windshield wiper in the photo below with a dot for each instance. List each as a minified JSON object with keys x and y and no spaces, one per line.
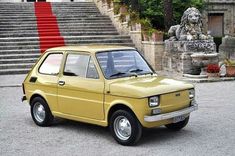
{"x":136,"y":70}
{"x":117,"y":74}
{"x":151,"y":73}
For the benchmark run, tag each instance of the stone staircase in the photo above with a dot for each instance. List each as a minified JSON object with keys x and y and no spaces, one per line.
{"x":79,"y":23}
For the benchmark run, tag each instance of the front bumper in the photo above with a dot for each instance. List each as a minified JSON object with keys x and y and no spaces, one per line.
{"x":170,"y":115}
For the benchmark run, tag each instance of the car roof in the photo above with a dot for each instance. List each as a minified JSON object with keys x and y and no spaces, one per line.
{"x":90,"y":48}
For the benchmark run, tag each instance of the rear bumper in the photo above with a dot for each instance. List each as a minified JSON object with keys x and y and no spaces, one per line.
{"x":23,"y":98}
{"x":170,"y":115}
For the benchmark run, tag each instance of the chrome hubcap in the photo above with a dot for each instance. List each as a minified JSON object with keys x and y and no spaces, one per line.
{"x":39,"y":112}
{"x":122,"y":128}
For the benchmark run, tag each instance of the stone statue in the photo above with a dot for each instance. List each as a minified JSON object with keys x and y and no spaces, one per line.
{"x":189,"y":51}
{"x":190,"y":27}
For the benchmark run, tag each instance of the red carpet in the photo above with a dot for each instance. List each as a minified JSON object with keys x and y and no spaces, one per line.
{"x":48,"y":30}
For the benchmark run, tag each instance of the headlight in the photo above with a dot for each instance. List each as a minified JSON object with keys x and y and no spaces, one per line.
{"x":191,"y":94}
{"x":153,"y":101}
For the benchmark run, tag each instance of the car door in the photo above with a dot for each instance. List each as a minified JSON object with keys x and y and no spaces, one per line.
{"x":45,"y":82}
{"x":80,"y":90}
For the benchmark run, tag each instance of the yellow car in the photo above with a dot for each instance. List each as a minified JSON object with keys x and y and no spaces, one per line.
{"x":108,"y":86}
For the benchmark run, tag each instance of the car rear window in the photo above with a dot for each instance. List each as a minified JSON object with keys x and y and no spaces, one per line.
{"x":51,"y":64}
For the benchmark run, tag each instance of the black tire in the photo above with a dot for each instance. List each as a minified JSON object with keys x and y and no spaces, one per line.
{"x":136,"y":128}
{"x":48,"y":117}
{"x":179,"y":125}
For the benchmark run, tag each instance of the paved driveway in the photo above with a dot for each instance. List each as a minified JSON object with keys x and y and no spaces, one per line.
{"x":211,"y":130}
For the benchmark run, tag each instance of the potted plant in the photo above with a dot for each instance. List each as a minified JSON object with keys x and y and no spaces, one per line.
{"x":145,"y":27}
{"x":213,"y":70}
{"x":134,"y":21}
{"x":109,"y":2}
{"x":156,"y":35}
{"x":230,"y":67}
{"x":123,"y":8}
{"x":123,"y":17}
{"x":116,"y":7}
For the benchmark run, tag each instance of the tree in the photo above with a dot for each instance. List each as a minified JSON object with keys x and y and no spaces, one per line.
{"x":168,"y":14}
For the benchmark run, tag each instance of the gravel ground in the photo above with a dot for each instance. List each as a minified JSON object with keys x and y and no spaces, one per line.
{"x":11,"y":80}
{"x":209,"y":132}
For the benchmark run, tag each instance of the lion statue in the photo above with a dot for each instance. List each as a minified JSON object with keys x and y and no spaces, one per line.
{"x":190,"y":27}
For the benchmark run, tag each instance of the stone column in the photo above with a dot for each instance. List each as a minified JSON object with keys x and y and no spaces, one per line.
{"x":153,"y":52}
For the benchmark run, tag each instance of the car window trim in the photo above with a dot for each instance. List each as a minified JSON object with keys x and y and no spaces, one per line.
{"x":95,"y":69}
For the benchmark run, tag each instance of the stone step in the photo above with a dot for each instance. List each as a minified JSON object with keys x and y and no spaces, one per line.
{"x":114,"y":44}
{"x":54,"y":4}
{"x":60,"y":25}
{"x":31,"y":39}
{"x":14,"y":71}
{"x":26,"y":8}
{"x":12,"y":29}
{"x":16,"y":66}
{"x":20,"y":51}
{"x":73,"y":14}
{"x":52,"y":22}
{"x":73,"y":29}
{"x":9,"y":47}
{"x":62,"y":33}
{"x":12,"y":47}
{"x":20,"y":60}
{"x":32,"y":16}
{"x":82,"y":41}
{"x":53,"y":7}
{"x":66,"y":18}
{"x":37,"y":50}
{"x":9,"y":13}
{"x":13,"y":56}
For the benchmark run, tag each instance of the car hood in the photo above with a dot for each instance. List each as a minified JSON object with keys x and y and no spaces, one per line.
{"x":145,"y":86}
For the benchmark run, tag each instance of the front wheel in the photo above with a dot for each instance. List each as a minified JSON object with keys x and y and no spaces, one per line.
{"x":125,"y":128}
{"x":179,"y":125}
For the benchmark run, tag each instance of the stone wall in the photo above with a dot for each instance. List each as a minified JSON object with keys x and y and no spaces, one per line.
{"x":153,"y":52}
{"x":227,"y":48}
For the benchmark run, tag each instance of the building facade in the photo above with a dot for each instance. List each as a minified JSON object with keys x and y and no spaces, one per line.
{"x":220,"y":17}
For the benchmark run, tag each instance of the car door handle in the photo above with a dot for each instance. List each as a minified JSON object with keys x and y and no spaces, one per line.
{"x":61,"y":83}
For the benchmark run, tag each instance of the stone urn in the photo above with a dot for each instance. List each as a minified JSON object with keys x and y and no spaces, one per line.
{"x":201,"y":60}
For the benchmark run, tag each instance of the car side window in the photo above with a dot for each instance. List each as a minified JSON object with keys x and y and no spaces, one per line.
{"x":91,"y":71}
{"x":76,"y":65}
{"x":51,"y":64}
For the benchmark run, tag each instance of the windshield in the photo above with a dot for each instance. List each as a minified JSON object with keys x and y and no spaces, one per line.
{"x":122,"y":64}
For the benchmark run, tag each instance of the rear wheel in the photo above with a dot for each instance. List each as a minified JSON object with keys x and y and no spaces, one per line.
{"x":179,"y":125}
{"x":40,"y":112}
{"x":125,"y":128}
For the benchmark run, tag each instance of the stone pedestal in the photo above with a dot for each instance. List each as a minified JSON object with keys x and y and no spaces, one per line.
{"x":177,"y":55}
